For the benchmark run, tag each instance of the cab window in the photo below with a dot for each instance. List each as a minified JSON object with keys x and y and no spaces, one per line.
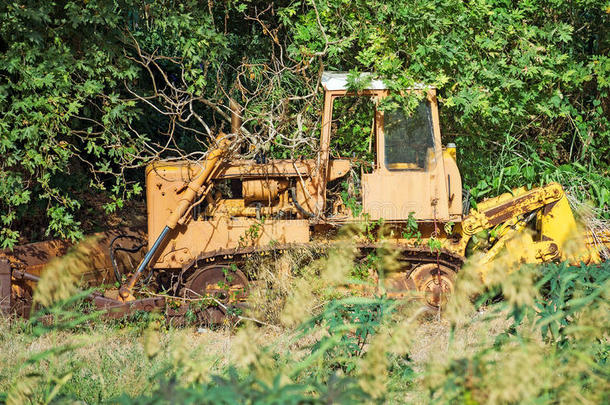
{"x":409,"y":140}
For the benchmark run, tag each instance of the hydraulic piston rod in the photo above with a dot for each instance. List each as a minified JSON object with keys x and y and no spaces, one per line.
{"x":186,"y":200}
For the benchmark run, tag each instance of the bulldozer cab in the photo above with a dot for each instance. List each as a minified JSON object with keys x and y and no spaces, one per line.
{"x":411,"y":173}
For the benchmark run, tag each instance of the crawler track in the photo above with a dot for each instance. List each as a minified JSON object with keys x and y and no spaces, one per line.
{"x":408,"y":254}
{"x":26,"y":270}
{"x":430,"y":273}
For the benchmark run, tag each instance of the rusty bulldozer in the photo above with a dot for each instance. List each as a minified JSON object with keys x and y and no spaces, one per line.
{"x":207,"y":219}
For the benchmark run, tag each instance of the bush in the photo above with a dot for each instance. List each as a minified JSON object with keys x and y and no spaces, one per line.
{"x":92,"y":90}
{"x":546,"y":342}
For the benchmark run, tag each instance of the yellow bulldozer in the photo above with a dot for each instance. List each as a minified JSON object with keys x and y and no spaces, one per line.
{"x":207,"y":219}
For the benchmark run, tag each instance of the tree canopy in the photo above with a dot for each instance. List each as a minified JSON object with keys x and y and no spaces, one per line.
{"x":91,"y":90}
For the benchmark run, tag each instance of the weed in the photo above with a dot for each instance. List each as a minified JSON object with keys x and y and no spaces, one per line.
{"x":547,"y":339}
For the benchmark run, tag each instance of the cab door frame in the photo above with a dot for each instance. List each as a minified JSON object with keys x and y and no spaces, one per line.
{"x":393,"y":195}
{"x":381,"y":189}
{"x":324,"y":155}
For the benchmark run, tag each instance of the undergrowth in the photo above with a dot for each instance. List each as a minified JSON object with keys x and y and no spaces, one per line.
{"x":530,"y":334}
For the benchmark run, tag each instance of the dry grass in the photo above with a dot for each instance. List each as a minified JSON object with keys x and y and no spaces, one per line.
{"x":114,"y":360}
{"x":593,"y":221}
{"x":453,"y":358}
{"x":432,"y":338}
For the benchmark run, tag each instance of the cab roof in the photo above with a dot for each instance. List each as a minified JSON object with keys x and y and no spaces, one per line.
{"x":338,"y":81}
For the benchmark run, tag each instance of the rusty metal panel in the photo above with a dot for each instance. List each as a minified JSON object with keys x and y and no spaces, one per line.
{"x":392,"y":196}
{"x":33,"y":257}
{"x":197,"y":237}
{"x":185,"y":171}
{"x":117,"y":309}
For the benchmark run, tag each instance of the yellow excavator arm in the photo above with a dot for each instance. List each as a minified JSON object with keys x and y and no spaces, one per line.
{"x":535,"y":225}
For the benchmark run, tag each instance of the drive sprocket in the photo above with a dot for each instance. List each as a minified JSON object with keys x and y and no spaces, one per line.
{"x":224,"y":286}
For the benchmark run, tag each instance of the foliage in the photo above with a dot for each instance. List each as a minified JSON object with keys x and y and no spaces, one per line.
{"x":411,"y":230}
{"x":547,"y":340}
{"x":567,"y":291}
{"x":571,"y":315}
{"x":349,"y":197}
{"x":62,"y":70}
{"x":350,"y":324}
{"x":91,"y":90}
{"x":529,"y":79}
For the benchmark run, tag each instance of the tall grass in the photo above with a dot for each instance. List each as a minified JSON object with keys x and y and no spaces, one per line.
{"x":523,"y":335}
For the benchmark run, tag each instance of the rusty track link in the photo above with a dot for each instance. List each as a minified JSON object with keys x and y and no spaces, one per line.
{"x":410,"y":254}
{"x":413,"y":257}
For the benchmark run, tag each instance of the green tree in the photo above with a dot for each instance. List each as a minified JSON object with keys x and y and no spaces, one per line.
{"x":91,"y":90}
{"x":62,"y":69}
